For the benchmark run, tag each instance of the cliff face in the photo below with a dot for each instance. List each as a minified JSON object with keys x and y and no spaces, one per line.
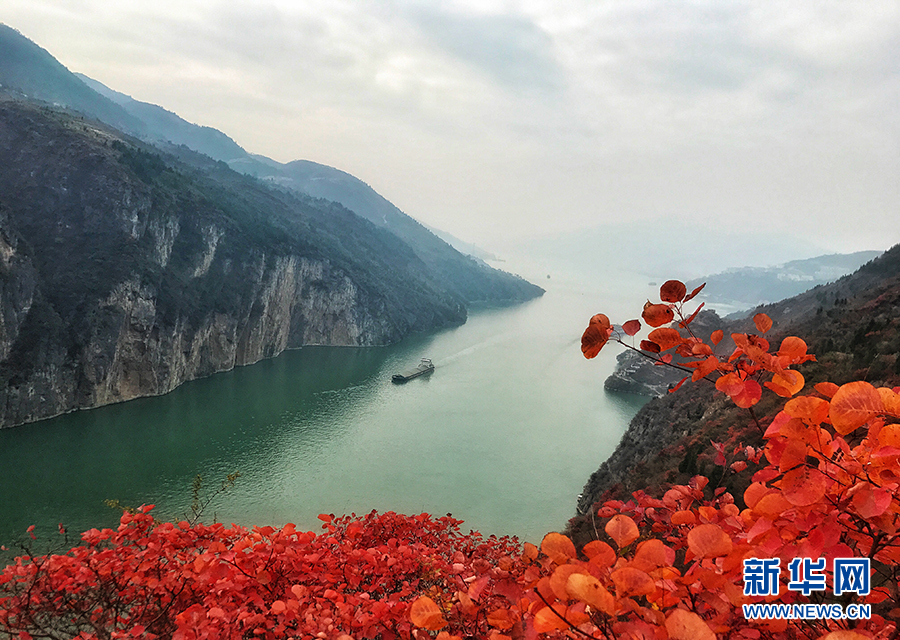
{"x":124,"y":273}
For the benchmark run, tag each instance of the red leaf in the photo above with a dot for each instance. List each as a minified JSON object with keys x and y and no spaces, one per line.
{"x":672,"y":291}
{"x":666,"y":338}
{"x":716,"y":336}
{"x":593,"y":339}
{"x":871,"y":502}
{"x":646,"y":345}
{"x":631,"y":327}
{"x":693,"y":294}
{"x":763,"y":322}
{"x":827,"y":389}
{"x":690,"y":318}
{"x":705,"y":368}
{"x":656,"y":315}
{"x":804,"y":486}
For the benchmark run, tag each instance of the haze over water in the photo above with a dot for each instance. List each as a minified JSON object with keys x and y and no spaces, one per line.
{"x":503,"y":434}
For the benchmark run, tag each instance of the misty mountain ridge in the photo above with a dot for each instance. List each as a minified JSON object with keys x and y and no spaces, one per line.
{"x":32,"y":71}
{"x":742,"y":288}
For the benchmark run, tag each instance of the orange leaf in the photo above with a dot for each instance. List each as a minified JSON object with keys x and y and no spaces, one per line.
{"x":763,"y":322}
{"x":622,"y":529}
{"x":652,"y":554}
{"x":804,"y":486}
{"x":730,"y":384}
{"x":590,"y":591}
{"x":810,"y":409}
{"x":666,"y":338}
{"x":772,"y":504}
{"x":684,"y":517}
{"x":632,"y":582}
{"x":631,"y":327}
{"x":687,"y":625}
{"x":425,"y":613}
{"x":827,"y":389}
{"x":600,"y":320}
{"x":708,"y":541}
{"x":560,"y":577}
{"x":550,"y":619}
{"x":593,"y":339}
{"x":891,"y":401}
{"x":716,"y":336}
{"x":600,"y":553}
{"x":786,"y":383}
{"x":706,"y":367}
{"x":656,"y":315}
{"x":793,"y":350}
{"x":501,"y":619}
{"x":754,"y":492}
{"x":854,"y":404}
{"x":672,"y":291}
{"x":558,"y":547}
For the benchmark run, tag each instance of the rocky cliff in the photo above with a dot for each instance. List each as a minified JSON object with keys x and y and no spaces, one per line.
{"x":124,"y":273}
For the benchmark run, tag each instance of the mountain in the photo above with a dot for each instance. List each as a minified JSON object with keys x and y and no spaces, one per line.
{"x":34,"y":72}
{"x":746,"y":287}
{"x":161,"y":125}
{"x":462,"y":274}
{"x":852,"y":326}
{"x":27,"y":69}
{"x":125,"y":272}
{"x":126,"y":268}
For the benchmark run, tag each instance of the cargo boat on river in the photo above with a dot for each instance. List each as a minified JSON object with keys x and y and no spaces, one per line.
{"x":423,"y":368}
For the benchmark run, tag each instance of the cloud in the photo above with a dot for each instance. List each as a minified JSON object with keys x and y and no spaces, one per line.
{"x":496,"y":117}
{"x":511,"y":49}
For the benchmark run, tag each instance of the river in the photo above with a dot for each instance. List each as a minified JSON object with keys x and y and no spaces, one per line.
{"x":502,"y":435}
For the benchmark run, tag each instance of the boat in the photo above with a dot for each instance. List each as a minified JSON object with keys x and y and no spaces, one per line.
{"x":423,"y":368}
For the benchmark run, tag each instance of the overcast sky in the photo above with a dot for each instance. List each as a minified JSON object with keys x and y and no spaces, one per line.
{"x":493,"y":119}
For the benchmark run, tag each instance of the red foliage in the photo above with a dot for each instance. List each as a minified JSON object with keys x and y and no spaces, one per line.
{"x":829,"y":488}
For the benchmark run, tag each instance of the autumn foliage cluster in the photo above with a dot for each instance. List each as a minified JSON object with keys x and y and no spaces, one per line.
{"x":826,"y":484}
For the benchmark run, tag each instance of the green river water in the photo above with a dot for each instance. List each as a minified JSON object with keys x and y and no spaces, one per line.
{"x":503,"y":434}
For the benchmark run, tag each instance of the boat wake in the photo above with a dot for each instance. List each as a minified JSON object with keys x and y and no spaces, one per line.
{"x":504,"y":337}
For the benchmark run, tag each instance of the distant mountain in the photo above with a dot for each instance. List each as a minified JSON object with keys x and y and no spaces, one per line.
{"x":28,"y":69}
{"x":460,"y":273}
{"x":746,"y":287}
{"x":164,"y":126}
{"x":32,"y":71}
